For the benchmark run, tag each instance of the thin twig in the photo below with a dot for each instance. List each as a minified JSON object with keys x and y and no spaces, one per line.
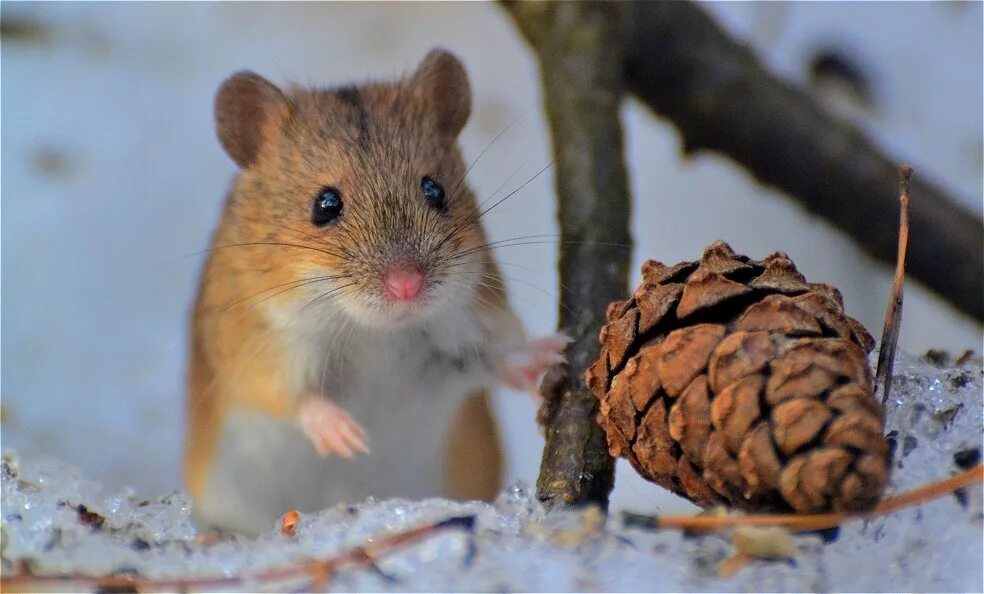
{"x":808,"y":522}
{"x":318,"y":572}
{"x":893,"y":313}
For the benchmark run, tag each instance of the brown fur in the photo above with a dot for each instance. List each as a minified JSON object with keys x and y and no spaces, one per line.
{"x":290,"y":145}
{"x":474,"y":461}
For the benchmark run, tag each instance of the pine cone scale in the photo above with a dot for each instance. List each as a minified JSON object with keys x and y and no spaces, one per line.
{"x":798,"y":422}
{"x":707,"y":289}
{"x":758,"y":462}
{"x":735,"y":409}
{"x":721,"y":469}
{"x":781,"y":313}
{"x":685,"y":352}
{"x":739,"y":355}
{"x":655,"y":302}
{"x":653,"y":449}
{"x":690,"y":419}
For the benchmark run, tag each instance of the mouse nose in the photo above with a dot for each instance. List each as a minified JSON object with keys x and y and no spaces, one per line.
{"x":403,"y":284}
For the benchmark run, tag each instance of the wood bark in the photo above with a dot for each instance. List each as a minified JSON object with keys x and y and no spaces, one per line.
{"x":576,"y":44}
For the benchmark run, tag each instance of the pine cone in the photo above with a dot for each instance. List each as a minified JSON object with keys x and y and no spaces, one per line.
{"x":736,"y":381}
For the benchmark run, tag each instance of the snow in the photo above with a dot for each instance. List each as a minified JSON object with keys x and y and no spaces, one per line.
{"x":935,"y":417}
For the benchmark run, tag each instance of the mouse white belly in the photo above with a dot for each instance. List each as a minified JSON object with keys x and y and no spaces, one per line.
{"x":403,"y":387}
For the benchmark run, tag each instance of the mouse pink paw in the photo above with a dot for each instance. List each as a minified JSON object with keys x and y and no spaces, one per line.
{"x":331,"y":429}
{"x":522,"y":366}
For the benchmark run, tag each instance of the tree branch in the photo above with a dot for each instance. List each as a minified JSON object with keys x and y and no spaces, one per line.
{"x":720,"y":97}
{"x":576,"y":44}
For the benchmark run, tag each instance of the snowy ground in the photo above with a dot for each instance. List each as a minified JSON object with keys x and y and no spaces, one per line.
{"x":935,"y":418}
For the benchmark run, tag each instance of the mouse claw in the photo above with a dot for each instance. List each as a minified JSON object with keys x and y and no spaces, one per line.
{"x":523,"y":366}
{"x":331,"y":429}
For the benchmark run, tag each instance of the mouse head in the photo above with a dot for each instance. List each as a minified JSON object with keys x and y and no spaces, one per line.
{"x":360,"y":189}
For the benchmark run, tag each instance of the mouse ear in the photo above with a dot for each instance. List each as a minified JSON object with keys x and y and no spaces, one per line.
{"x":441,"y":86}
{"x":244,"y":105}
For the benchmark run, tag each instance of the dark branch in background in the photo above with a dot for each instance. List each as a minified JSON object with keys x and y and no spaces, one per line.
{"x":577,"y":43}
{"x":721,"y":98}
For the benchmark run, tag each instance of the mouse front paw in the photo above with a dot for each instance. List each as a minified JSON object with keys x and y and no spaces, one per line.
{"x":331,"y":429}
{"x":522,"y":366}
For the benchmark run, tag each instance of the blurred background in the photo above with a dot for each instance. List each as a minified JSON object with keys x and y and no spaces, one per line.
{"x":112,"y":180}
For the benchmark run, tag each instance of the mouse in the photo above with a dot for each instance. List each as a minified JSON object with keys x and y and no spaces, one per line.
{"x":351,"y":318}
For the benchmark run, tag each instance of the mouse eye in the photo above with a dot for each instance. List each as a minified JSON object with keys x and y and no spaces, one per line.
{"x":327,"y":206}
{"x":433,"y":193}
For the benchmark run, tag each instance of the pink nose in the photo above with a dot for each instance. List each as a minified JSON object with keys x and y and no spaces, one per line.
{"x":403,"y":285}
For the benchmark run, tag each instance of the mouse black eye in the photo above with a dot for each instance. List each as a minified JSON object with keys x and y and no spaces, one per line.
{"x":327,"y":206}
{"x":433,"y":193}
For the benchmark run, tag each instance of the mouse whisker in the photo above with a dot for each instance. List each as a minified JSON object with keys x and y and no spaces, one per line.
{"x":517,"y":241}
{"x":504,"y":263}
{"x":566,"y":242}
{"x":519,"y":238}
{"x":502,"y":185}
{"x":451,"y":235}
{"x":328,"y":295}
{"x":310,"y":234}
{"x":269,"y":243}
{"x":485,"y":211}
{"x":325,"y":242}
{"x":484,"y":246}
{"x":479,"y":298}
{"x":551,"y":295}
{"x":249,"y":244}
{"x":508,"y":127}
{"x":330,"y":319}
{"x":294,"y":284}
{"x":500,"y":308}
{"x":479,"y":212}
{"x":498,"y":262}
{"x":495,"y":246}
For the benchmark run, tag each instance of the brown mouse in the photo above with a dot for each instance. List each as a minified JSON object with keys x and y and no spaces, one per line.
{"x":351,"y":317}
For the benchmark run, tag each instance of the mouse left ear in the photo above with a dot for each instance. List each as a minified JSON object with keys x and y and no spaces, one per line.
{"x":245,"y":104}
{"x":441,"y":86}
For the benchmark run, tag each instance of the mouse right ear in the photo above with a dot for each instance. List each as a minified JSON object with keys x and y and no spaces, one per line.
{"x":441,"y":86}
{"x":246,"y":104}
